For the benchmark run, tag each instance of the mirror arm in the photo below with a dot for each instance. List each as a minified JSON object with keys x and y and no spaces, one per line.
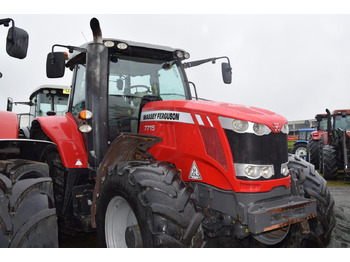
{"x":70,"y":48}
{"x":6,"y":22}
{"x":200,"y":62}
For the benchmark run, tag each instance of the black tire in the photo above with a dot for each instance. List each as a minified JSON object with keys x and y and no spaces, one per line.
{"x":330,"y":162}
{"x":27,"y":212}
{"x":313,"y":151}
{"x":164,"y":214}
{"x":306,"y":181}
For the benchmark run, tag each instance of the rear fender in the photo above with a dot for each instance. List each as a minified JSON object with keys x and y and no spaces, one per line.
{"x":22,"y":149}
{"x":63,"y":131}
{"x":9,"y":125}
{"x":126,"y":147}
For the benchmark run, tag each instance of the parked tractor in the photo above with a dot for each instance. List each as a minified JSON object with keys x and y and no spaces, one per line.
{"x":336,"y":148}
{"x":315,"y":143}
{"x":27,"y":209}
{"x":300,"y":146}
{"x":45,"y":100}
{"x":138,"y":160}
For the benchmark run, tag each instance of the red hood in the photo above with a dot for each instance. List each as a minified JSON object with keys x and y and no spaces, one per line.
{"x":252,"y":114}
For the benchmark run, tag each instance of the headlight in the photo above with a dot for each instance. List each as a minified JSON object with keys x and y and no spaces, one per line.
{"x":284,"y":169}
{"x":85,"y":128}
{"x":254,"y":171}
{"x":239,"y":126}
{"x":285,"y":129}
{"x":261,"y":129}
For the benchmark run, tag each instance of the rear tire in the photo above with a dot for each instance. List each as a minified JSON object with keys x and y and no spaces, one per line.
{"x":143,"y":204}
{"x":330,"y":162}
{"x":313,"y":151}
{"x":27,"y":213}
{"x":307,"y":182}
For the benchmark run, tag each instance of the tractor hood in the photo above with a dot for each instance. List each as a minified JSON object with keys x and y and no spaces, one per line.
{"x":216,"y":109}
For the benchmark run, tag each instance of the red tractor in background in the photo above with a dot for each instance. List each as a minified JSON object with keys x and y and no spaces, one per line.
{"x":314,"y":144}
{"x":336,"y":148}
{"x":45,"y":100}
{"x":140,"y":161}
{"x":329,"y":146}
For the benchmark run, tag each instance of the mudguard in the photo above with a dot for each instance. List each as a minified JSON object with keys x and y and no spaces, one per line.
{"x":9,"y":125}
{"x":63,"y":131}
{"x":29,"y":149}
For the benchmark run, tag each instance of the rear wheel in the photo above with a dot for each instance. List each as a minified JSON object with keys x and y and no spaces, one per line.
{"x":313,"y":151}
{"x":330,"y":162}
{"x":27,"y":213}
{"x":307,"y":182}
{"x":143,"y":204}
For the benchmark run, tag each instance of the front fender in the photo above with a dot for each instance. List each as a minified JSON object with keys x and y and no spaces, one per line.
{"x":63,"y":131}
{"x":126,"y":147}
{"x":9,"y":125}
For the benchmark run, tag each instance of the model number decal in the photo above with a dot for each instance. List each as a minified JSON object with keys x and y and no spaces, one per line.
{"x":150,"y":128}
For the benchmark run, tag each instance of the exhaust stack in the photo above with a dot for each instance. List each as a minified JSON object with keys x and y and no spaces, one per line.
{"x":96,"y":30}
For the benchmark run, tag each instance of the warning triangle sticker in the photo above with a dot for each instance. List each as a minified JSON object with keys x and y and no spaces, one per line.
{"x":194,"y":173}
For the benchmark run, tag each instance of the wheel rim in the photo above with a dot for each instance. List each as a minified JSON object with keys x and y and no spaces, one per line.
{"x":301,"y":152}
{"x":119,"y":217}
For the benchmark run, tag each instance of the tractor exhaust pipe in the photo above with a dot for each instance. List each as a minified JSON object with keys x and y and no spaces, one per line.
{"x":96,"y":30}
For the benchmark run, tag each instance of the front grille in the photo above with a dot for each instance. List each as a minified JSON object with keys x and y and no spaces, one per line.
{"x":247,"y":148}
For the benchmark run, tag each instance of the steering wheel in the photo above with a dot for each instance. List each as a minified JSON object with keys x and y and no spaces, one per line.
{"x":140,"y":86}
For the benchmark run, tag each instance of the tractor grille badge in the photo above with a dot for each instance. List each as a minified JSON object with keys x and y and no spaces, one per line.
{"x":276,"y":127}
{"x":194,"y":173}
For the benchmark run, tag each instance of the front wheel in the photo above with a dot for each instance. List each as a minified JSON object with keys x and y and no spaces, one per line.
{"x":307,"y":182}
{"x":143,"y":204}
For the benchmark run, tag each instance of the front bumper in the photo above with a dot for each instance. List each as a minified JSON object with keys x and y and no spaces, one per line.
{"x":269,"y":215}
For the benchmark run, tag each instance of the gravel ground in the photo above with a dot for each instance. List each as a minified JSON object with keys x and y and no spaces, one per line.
{"x":341,"y":233}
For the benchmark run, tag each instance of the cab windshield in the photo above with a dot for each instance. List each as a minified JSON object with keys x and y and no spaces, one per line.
{"x":130,"y":79}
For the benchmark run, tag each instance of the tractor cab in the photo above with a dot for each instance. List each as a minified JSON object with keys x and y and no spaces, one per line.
{"x":45,"y":100}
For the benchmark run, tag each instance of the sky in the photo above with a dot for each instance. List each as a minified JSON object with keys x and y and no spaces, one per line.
{"x":294,"y":63}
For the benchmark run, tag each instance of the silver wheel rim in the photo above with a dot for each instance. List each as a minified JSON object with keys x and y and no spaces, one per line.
{"x":301,"y":151}
{"x":119,"y":216}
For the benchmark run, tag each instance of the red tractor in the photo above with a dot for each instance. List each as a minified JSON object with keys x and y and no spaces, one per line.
{"x":314,"y":145}
{"x":45,"y":100}
{"x":140,"y":161}
{"x":336,"y":146}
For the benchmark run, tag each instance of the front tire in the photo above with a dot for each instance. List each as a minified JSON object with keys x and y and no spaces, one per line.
{"x":144,"y":204}
{"x":307,"y":182}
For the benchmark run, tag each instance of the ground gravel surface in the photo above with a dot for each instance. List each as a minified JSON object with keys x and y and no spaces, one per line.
{"x":341,"y":233}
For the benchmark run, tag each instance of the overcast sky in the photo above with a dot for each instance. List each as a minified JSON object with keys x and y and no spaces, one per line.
{"x":293,"y":64}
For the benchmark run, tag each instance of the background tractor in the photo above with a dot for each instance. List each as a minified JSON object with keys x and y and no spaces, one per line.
{"x":45,"y":100}
{"x":300,"y":146}
{"x":138,"y":160}
{"x":335,"y":153}
{"x":315,"y":143}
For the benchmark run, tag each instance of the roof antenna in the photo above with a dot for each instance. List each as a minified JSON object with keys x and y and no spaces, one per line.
{"x":84,"y":36}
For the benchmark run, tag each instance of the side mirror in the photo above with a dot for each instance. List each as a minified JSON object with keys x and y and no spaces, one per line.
{"x":226,"y":73}
{"x":17,"y":42}
{"x":55,"y":64}
{"x":9,"y":104}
